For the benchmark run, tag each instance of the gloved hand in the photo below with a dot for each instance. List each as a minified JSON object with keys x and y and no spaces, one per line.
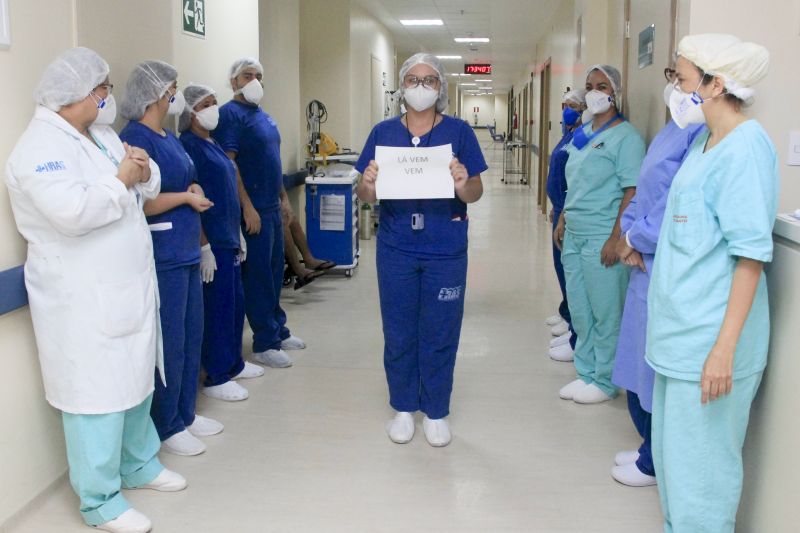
{"x":208,"y":263}
{"x":242,"y":247}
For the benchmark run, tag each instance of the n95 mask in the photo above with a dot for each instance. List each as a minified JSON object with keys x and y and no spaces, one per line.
{"x":420,"y":97}
{"x":598,"y":102}
{"x":208,"y":117}
{"x":253,"y":92}
{"x":107,"y":114}
{"x":176,"y":104}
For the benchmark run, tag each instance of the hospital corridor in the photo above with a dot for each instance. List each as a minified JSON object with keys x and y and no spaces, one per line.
{"x":395,"y":266}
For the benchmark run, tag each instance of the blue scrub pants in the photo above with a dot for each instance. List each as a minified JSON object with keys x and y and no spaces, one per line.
{"x":698,"y":453}
{"x":109,"y":451}
{"x":181,"y":294}
{"x":563,"y":307}
{"x":223,"y":302}
{"x":643,"y":422}
{"x":422,"y":304}
{"x":262,"y":276}
{"x":596,"y":297}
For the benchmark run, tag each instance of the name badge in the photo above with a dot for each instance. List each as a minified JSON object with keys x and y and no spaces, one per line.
{"x":417,"y":221}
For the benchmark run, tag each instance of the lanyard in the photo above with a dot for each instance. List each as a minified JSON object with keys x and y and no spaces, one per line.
{"x":580,"y":139}
{"x":113,"y":159}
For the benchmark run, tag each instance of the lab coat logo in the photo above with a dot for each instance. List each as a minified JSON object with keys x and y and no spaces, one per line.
{"x":51,"y":166}
{"x":450,"y":294}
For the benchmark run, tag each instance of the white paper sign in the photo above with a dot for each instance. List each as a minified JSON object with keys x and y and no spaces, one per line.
{"x":331,"y":212}
{"x":414,"y":173}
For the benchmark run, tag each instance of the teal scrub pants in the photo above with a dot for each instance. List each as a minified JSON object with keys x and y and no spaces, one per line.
{"x":697,"y":451}
{"x":109,"y":451}
{"x":596,"y":296}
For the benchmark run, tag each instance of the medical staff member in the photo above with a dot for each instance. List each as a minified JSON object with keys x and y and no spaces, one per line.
{"x":422,"y":254}
{"x":708,"y":331}
{"x":604,"y":160}
{"x":250,"y":138}
{"x":574,"y":103}
{"x":77,"y":194}
{"x":223,"y":295}
{"x":640,"y":224}
{"x":151,"y":94}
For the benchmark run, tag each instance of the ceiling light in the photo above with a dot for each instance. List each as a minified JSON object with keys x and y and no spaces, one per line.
{"x":490,"y":81}
{"x":471,"y":39}
{"x":448,"y":57}
{"x":468,"y":84}
{"x":422,"y":22}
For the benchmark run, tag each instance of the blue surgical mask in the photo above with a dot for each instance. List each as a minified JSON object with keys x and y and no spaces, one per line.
{"x":570,"y":116}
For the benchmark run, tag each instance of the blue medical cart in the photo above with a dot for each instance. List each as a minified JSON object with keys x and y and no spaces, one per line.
{"x":332,"y":220}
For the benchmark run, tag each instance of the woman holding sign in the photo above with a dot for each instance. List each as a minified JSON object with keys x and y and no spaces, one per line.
{"x":422,"y":246}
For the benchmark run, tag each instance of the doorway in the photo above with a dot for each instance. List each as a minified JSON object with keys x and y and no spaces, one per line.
{"x":544,"y":136}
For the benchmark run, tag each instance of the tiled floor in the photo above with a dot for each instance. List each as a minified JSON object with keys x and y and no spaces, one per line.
{"x":308,"y":452}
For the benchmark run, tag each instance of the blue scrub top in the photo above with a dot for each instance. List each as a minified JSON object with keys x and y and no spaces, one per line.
{"x":721,"y":206}
{"x":445,"y":232}
{"x":180,"y":245}
{"x":556,"y":176}
{"x":252,"y":134}
{"x":596,"y":177}
{"x":216,"y":174}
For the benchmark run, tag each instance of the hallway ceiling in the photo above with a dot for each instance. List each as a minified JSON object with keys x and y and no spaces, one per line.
{"x":514,"y":27}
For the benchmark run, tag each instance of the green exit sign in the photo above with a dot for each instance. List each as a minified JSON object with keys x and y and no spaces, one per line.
{"x":193,"y":15}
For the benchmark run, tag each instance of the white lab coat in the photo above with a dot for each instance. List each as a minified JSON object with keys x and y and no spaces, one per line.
{"x":90,"y":273}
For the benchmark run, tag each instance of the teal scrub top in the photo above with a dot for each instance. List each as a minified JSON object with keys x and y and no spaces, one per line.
{"x":596,"y":177}
{"x":721,"y":206}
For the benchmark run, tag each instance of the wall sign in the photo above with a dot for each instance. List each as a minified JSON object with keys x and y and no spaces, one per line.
{"x":475,"y":68}
{"x":5,"y":26}
{"x":646,"y":38}
{"x":193,"y":15}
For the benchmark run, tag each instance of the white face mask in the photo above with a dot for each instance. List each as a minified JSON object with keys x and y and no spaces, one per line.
{"x":253,"y":92}
{"x":208,"y":117}
{"x":108,"y":113}
{"x":598,"y":102}
{"x":176,"y":104}
{"x":686,"y":108}
{"x":420,"y":97}
{"x":587,"y":116}
{"x":668,"y":93}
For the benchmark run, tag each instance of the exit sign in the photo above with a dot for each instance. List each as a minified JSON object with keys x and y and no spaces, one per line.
{"x":482,"y":68}
{"x":193,"y":15}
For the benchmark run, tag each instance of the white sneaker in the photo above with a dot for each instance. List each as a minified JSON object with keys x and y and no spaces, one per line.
{"x":627,"y":457}
{"x":205,"y":427}
{"x":553,"y":320}
{"x":561,"y":339}
{"x":249,"y":371}
{"x":166,"y":481}
{"x":563,"y":353}
{"x":273,"y":358}
{"x":401,"y":428}
{"x":567,"y":392}
{"x":591,"y":393}
{"x":630,"y":475}
{"x":559,"y":329}
{"x":437,"y":432}
{"x":131,"y":521}
{"x":183,"y":443}
{"x":230,"y":391}
{"x":293,"y":343}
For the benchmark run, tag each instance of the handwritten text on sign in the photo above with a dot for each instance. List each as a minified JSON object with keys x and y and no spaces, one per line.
{"x":414,"y":173}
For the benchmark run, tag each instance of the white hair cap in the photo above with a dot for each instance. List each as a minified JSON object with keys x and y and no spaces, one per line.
{"x":70,"y":78}
{"x":432,"y":61}
{"x":613,"y":76}
{"x":194,"y":93}
{"x":577,"y":96}
{"x":739,"y":63}
{"x":147,"y":83}
{"x":246,"y":62}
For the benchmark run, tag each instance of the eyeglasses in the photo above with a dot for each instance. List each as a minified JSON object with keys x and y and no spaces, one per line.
{"x":107,"y":86}
{"x":669,"y":73}
{"x":428,"y":82}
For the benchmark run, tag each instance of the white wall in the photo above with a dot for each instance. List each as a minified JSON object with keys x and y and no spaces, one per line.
{"x":368,"y":38}
{"x":31,"y":442}
{"x":485,"y":105}
{"x":501,"y":112}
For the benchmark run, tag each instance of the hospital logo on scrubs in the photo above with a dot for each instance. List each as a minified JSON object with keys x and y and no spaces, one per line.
{"x":450,"y":295}
{"x":51,"y":166}
{"x":680,"y":219}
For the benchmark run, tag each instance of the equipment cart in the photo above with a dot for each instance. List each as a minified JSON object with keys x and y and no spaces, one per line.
{"x":332,"y":220}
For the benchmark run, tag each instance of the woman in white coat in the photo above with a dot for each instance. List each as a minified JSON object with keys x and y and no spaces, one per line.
{"x":77,"y":195}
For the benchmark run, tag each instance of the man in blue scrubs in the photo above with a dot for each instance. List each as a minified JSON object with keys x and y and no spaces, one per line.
{"x":250,"y":137}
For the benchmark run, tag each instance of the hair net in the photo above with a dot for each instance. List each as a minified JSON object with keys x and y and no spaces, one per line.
{"x":740,"y":64}
{"x":70,"y":78}
{"x":577,"y":96}
{"x":433,"y":62}
{"x":194,"y":93}
{"x":147,"y":84}
{"x":613,"y":76}
{"x":246,"y":62}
